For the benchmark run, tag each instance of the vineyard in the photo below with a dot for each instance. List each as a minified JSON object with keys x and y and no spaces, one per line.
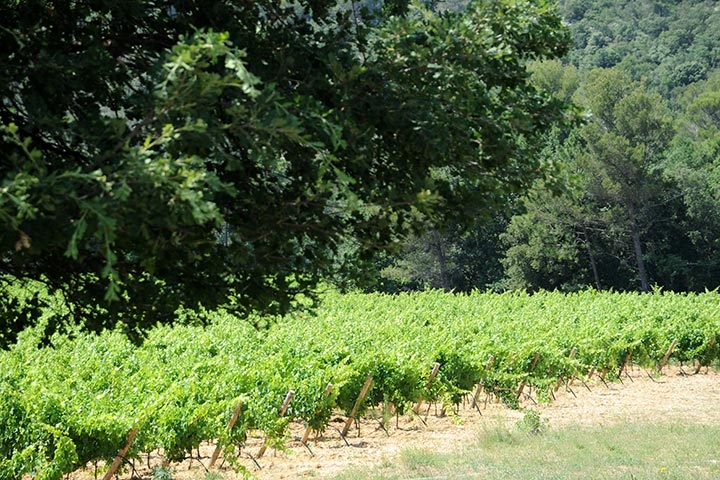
{"x":85,"y":397}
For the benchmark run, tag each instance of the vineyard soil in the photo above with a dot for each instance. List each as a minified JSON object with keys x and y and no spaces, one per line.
{"x":642,"y":396}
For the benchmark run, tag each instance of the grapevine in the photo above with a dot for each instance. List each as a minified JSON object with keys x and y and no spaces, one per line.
{"x":74,"y":401}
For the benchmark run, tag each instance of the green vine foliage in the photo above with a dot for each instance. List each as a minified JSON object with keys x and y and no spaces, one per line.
{"x":74,"y":401}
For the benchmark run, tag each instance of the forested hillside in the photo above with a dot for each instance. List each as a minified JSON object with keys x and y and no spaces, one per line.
{"x":671,"y":43}
{"x":639,"y":180}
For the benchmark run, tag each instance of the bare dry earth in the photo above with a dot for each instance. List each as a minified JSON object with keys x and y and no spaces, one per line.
{"x":642,"y":396}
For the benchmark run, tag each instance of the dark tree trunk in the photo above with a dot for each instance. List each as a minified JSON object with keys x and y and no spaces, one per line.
{"x":642,"y":273}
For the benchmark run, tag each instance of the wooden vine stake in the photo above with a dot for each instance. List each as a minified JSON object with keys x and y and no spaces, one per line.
{"x":479,"y":386}
{"x":230,"y":425}
{"x":562,"y":377}
{"x":283,"y":410}
{"x":121,"y":455}
{"x":306,"y":435}
{"x":532,"y":367}
{"x":358,"y":402}
{"x":433,"y":374}
{"x":666,"y":357}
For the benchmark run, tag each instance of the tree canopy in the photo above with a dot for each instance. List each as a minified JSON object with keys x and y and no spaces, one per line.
{"x":159,"y":155}
{"x":670,"y":43}
{"x":638,"y":209}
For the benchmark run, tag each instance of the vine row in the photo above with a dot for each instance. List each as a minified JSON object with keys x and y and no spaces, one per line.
{"x":76,"y":400}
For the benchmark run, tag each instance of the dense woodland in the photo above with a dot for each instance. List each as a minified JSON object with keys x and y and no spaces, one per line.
{"x":633,"y":202}
{"x":161,"y":159}
{"x":195,"y":155}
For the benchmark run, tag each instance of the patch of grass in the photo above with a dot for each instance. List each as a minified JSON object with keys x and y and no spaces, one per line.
{"x":213,"y":476}
{"x":161,"y":473}
{"x":625,"y":451}
{"x":411,"y":463}
{"x":533,"y":423}
{"x":420,"y":460}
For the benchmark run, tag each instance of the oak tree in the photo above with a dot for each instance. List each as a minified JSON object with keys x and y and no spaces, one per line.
{"x":163,"y":154}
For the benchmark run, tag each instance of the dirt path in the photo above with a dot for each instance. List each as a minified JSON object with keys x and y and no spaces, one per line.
{"x":640,"y":397}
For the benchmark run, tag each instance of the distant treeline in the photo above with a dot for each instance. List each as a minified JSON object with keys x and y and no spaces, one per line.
{"x":634,"y":200}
